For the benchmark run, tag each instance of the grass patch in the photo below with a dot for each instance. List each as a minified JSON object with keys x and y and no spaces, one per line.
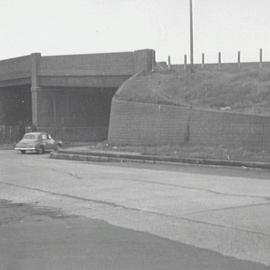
{"x":189,"y":151}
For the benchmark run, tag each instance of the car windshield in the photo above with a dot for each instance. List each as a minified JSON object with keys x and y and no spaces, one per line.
{"x":31,"y":136}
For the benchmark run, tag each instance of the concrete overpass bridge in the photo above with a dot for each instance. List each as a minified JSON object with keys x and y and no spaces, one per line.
{"x":68,"y":95}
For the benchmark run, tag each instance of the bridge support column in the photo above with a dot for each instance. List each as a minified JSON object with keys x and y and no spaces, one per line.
{"x":35,"y":89}
{"x":35,"y":92}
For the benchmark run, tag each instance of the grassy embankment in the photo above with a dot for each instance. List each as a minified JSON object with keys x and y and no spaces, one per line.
{"x":240,"y":90}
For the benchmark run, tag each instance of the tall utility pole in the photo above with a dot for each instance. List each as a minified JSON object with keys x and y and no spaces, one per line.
{"x":191,"y":35}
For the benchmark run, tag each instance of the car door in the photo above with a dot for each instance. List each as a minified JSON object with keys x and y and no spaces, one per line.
{"x":44,"y":139}
{"x":50,"y":142}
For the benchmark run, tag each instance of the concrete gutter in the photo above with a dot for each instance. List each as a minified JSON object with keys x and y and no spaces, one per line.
{"x":115,"y":156}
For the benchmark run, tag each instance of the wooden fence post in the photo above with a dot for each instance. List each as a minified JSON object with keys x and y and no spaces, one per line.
{"x":185,"y":62}
{"x":239,"y":59}
{"x":169,"y":63}
{"x":203,"y":60}
{"x":261,"y":58}
{"x":219,"y":60}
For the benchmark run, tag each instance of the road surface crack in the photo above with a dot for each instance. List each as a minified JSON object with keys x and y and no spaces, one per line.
{"x":202,"y":189}
{"x":228,"y":208}
{"x":115,"y":205}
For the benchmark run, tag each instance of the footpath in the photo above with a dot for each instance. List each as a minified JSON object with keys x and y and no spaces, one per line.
{"x":83,"y":153}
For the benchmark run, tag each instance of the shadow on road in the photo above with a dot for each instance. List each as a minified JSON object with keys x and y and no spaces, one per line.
{"x":40,"y":238}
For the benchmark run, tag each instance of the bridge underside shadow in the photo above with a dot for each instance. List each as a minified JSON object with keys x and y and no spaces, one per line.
{"x":77,"y":114}
{"x":15,"y":112}
{"x":15,"y":105}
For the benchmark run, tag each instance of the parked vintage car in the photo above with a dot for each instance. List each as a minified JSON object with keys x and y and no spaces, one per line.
{"x":39,"y":142}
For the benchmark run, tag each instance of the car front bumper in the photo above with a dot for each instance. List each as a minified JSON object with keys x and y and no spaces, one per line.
{"x":25,"y":148}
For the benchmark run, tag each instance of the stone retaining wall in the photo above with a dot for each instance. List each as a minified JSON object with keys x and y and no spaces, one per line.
{"x":153,"y":124}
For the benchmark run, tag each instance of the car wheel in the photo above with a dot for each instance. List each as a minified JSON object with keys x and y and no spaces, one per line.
{"x":23,"y":151}
{"x":40,"y":150}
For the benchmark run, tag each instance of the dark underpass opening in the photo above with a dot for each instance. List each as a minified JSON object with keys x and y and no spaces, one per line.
{"x":76,"y":114}
{"x":69,"y":114}
{"x":15,"y":105}
{"x":15,"y":112}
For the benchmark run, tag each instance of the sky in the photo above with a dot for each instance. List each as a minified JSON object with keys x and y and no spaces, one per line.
{"x":55,"y":27}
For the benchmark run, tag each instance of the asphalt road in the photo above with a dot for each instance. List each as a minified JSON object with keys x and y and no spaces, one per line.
{"x":35,"y":238}
{"x":164,"y":217}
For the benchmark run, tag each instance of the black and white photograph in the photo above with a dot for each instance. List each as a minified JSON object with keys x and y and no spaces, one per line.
{"x":135,"y":135}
